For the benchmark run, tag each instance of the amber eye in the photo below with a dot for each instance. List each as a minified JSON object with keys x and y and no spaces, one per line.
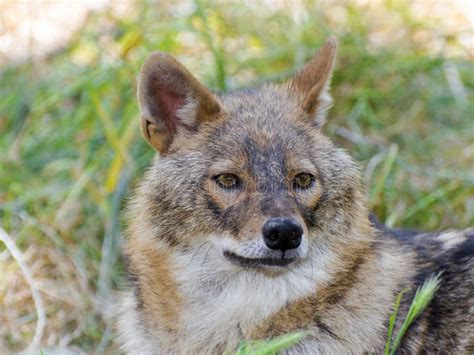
{"x":303,"y":181}
{"x":227,"y":181}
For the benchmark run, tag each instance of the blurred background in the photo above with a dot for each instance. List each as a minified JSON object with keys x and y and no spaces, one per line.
{"x":71,"y":151}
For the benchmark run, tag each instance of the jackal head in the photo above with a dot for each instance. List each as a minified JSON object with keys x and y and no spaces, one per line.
{"x":249,"y":172}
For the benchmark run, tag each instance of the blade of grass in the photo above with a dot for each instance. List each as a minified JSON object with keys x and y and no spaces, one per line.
{"x":116,"y":166}
{"x":422,"y":298}
{"x":386,"y":169}
{"x":207,"y":34}
{"x":37,"y":299}
{"x":270,"y":347}
{"x":110,"y":131}
{"x":392,"y":320}
{"x":80,"y":184}
{"x":429,"y":199}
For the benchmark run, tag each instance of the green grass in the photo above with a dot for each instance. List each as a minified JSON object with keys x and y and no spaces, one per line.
{"x":423,"y":296}
{"x":70,"y":147}
{"x":269,"y":347}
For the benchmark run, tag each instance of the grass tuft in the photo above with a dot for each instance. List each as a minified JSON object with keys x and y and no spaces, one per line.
{"x":423,"y":296}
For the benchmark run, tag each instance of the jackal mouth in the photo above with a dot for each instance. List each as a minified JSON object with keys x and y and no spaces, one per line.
{"x":257,"y":262}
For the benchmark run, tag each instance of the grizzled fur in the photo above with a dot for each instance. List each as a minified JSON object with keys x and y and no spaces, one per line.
{"x":201,"y":277}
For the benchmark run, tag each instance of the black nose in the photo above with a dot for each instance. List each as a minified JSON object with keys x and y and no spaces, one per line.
{"x":282,"y":233}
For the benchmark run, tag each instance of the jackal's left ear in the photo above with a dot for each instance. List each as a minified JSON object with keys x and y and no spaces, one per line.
{"x":172,"y":101}
{"x":313,"y":80}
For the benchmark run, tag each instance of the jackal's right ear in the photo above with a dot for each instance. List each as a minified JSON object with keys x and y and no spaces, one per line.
{"x":171,"y":101}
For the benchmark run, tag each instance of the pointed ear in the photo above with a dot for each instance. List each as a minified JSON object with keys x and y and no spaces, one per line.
{"x":313,"y":80}
{"x":171,"y":101}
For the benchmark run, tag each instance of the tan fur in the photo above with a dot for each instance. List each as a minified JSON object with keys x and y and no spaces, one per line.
{"x":153,"y":274}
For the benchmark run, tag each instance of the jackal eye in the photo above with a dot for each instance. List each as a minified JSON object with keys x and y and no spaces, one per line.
{"x":303,"y":181}
{"x":227,"y":181}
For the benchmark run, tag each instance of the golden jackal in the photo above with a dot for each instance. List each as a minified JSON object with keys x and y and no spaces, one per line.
{"x":253,"y":224}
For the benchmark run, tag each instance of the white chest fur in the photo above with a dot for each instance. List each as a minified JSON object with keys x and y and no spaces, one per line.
{"x":223,"y":303}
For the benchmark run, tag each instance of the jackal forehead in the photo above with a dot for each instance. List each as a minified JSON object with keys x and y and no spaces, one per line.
{"x":264,"y":137}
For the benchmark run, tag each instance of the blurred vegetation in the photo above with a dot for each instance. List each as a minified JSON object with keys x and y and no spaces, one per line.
{"x":70,"y":147}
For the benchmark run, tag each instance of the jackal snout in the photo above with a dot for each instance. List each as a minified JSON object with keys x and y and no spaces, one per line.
{"x":282,"y":233}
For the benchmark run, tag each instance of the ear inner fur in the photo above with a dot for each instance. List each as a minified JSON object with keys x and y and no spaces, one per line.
{"x":171,"y":98}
